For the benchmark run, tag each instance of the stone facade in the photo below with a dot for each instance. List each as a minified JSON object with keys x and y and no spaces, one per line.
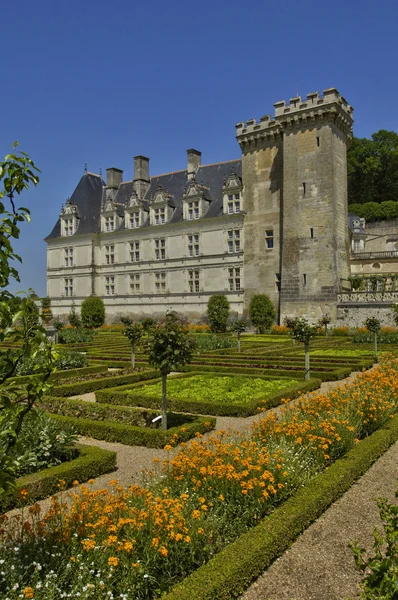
{"x":274,"y":222}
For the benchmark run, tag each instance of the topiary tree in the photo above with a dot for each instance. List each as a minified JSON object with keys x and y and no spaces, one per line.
{"x":170,"y":347}
{"x":324,"y":322}
{"x":93,"y":312}
{"x":239,"y":326}
{"x":147,"y":323}
{"x":218,"y":313}
{"x":133,"y":332}
{"x":261,"y":312}
{"x":373,"y":325}
{"x":302,"y":331}
{"x":73,"y":318}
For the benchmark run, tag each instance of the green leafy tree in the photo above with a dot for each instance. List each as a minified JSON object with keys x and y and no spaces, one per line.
{"x":93,"y":312}
{"x":170,"y":347}
{"x":324,"y":321}
{"x":19,"y":325}
{"x":134,"y":333}
{"x":373,"y":325}
{"x":261,"y":312}
{"x":147,"y":323}
{"x":381,"y":569}
{"x":218,"y":313}
{"x":239,"y":326}
{"x":372,"y":168}
{"x":73,"y":317}
{"x":301,"y":331}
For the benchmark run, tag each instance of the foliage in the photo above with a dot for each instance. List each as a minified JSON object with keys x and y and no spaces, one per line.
{"x":42,"y":443}
{"x":239,"y":326}
{"x":92,"y":385}
{"x":301,"y":330}
{"x":74,"y":319}
{"x":372,"y":211}
{"x":280,"y":330}
{"x":205,"y":343}
{"x":261,"y":312}
{"x":71,"y":359}
{"x":59,"y":325}
{"x":170,"y":346}
{"x":372,"y":324}
{"x":394,"y":311}
{"x":93,"y":312}
{"x":373,"y":168}
{"x":147,"y":323}
{"x":132,"y":331}
{"x":381,"y":569}
{"x":17,"y":173}
{"x":75,"y":336}
{"x":366,"y":337}
{"x":204,"y":498}
{"x":46,"y":312}
{"x":28,"y":365}
{"x":218,"y":313}
{"x":343,"y":331}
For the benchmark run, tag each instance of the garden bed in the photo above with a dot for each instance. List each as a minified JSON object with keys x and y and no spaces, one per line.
{"x":73,"y":389}
{"x":210,"y":394}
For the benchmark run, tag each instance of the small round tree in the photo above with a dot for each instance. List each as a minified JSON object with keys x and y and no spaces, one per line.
{"x":261,"y":312}
{"x":73,"y":317}
{"x":324,"y":322}
{"x":170,"y":347}
{"x":93,"y":312}
{"x":302,"y":331}
{"x":218,"y":313}
{"x":239,"y":326}
{"x":133,"y":332}
{"x":373,"y":325}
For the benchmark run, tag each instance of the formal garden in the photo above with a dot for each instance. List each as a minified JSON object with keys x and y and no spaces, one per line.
{"x":222,"y":503}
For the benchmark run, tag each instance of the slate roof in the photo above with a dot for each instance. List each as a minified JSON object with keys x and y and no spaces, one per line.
{"x":88,"y":194}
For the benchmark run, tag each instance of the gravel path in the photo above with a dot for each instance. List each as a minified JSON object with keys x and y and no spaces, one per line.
{"x":319,"y":565}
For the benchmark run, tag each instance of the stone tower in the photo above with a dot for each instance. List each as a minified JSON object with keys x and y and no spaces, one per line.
{"x":294,"y":169}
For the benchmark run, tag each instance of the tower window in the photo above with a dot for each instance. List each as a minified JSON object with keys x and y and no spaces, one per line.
{"x":304,"y":188}
{"x":312,"y":233}
{"x":234,"y":240}
{"x":318,"y":141}
{"x":269,"y":239}
{"x":304,"y":279}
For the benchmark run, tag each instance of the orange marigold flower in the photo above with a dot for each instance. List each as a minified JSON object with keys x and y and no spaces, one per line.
{"x":113,"y":561}
{"x":29,"y":592}
{"x":187,"y":539}
{"x":196,"y":514}
{"x":163,"y":551}
{"x":201,"y":531}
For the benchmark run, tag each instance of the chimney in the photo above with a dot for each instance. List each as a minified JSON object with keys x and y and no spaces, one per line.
{"x":141,"y":175}
{"x":114,"y":177}
{"x":193,"y":157}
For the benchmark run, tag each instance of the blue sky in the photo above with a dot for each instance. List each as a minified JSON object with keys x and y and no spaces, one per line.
{"x":99,"y":82}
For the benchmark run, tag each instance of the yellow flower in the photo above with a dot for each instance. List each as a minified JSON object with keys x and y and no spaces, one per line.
{"x":163,"y":551}
{"x":196,"y":514}
{"x":168,"y":447}
{"x":29,"y":592}
{"x":88,"y":545}
{"x":187,"y":539}
{"x":221,"y":497}
{"x":113,"y":561}
{"x":201,"y":531}
{"x":155,"y":542}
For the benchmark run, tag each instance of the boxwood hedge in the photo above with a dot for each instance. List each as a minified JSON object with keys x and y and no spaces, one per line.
{"x":90,"y":463}
{"x":83,"y":387}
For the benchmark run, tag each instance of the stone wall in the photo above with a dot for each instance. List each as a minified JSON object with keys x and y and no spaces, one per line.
{"x":355,"y":316}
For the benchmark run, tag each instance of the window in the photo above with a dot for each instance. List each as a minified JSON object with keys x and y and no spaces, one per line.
{"x":233,"y":203}
{"x":160,"y":282}
{"x":68,"y":257}
{"x":110,"y":285}
{"x":357,"y":245}
{"x":304,"y":187}
{"x":68,"y":226}
{"x":135,"y":287}
{"x":194,"y":281}
{"x":159,"y":216}
{"x":193,"y":244}
{"x":278,"y":282}
{"x":269,"y":239}
{"x":193,"y":210}
{"x":134,"y":220}
{"x":234,"y":240}
{"x":110,"y":255}
{"x":234,"y":279}
{"x":160,"y":249}
{"x":312,"y":233}
{"x":304,"y":279}
{"x":318,"y":141}
{"x":134,"y":251}
{"x":109,"y":224}
{"x":68,"y":286}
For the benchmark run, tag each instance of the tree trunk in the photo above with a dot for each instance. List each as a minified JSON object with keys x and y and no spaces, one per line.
{"x":164,"y":401}
{"x":307,"y":361}
{"x":132,"y":356}
{"x":238,"y":342}
{"x":326,"y":330}
{"x":375,"y":345}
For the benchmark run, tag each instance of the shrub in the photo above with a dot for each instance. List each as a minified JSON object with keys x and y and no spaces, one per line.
{"x":75,"y":336}
{"x":73,"y":317}
{"x":71,"y":359}
{"x":42,"y":443}
{"x":205,"y":343}
{"x":68,"y":359}
{"x":261,"y":312}
{"x":280,"y":330}
{"x":93,"y":312}
{"x":218,"y":313}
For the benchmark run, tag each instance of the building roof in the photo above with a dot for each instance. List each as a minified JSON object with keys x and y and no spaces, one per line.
{"x":88,"y":194}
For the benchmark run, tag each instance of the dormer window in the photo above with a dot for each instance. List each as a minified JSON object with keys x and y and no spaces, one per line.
{"x":161,"y":207}
{"x":135,"y":211}
{"x":232,"y":195}
{"x":109,"y":223}
{"x":69,"y":219}
{"x":109,"y":216}
{"x":134,"y":220}
{"x":196,"y":200}
{"x":193,"y":210}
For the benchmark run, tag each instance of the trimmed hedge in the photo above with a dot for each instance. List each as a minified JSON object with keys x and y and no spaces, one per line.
{"x":90,"y":463}
{"x":111,"y":431}
{"x":83,"y":387}
{"x":232,"y":571}
{"x":121,"y":396}
{"x":63,"y":374}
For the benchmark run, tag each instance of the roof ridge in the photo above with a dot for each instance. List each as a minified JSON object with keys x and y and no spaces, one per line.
{"x":170,"y":173}
{"x":223,"y":162}
{"x":95,"y":174}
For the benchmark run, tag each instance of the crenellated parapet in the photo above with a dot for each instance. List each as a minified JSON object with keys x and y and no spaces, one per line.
{"x":313,"y":111}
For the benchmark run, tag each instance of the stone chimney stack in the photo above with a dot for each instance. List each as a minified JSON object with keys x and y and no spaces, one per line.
{"x":141,"y":175}
{"x":193,"y":157}
{"x":114,"y":178}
